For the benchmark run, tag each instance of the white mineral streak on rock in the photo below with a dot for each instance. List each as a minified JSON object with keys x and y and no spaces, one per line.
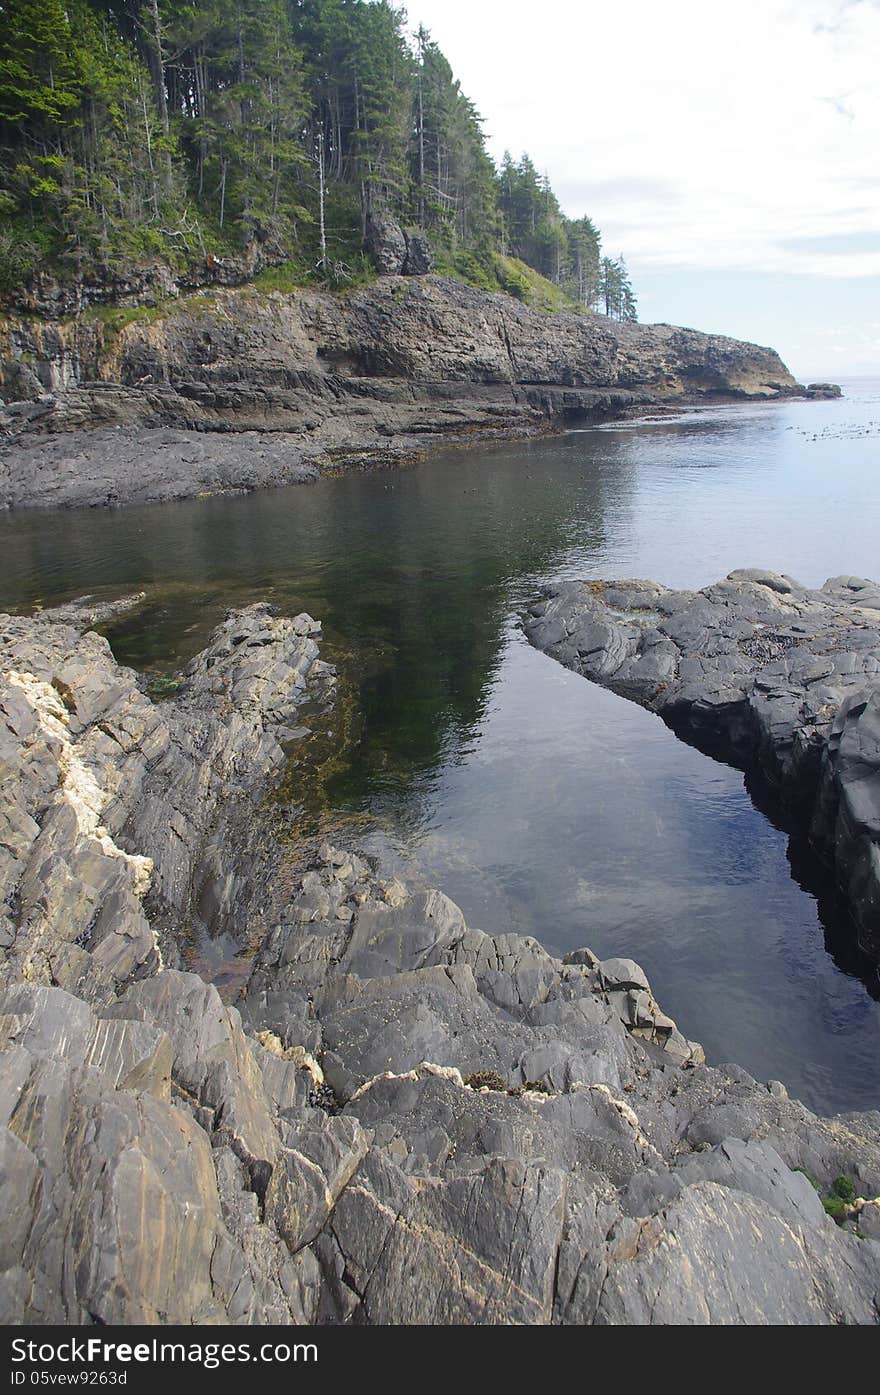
{"x":45,"y":701}
{"x":78,"y":786}
{"x":450,"y":1073}
{"x":624,"y":1110}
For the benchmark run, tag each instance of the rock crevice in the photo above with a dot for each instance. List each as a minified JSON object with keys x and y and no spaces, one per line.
{"x":402,"y":1119}
{"x":763,"y":672}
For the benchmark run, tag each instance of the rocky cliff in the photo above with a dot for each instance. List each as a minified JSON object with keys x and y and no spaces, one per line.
{"x":311,"y":377}
{"x":763,"y":672}
{"x":403,"y":1119}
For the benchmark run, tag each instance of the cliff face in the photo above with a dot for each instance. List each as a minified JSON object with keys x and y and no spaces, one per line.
{"x":428,"y":330}
{"x":387,"y":365}
{"x":434,"y":329}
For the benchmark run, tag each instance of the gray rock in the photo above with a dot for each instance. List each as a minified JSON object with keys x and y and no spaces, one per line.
{"x":116,"y":814}
{"x":773,"y":1272}
{"x":403,"y":1119}
{"x":765,"y":672}
{"x":386,"y":244}
{"x":419,"y":257}
{"x":236,"y":390}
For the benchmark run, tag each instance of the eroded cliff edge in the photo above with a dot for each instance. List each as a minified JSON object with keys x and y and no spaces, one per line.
{"x":140,"y":404}
{"x":404,"y":1119}
{"x":763,"y":672}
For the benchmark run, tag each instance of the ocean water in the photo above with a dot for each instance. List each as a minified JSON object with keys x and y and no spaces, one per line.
{"x":539,"y":802}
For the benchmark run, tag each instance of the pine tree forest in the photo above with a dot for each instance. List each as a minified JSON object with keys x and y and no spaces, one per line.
{"x":183,"y":130}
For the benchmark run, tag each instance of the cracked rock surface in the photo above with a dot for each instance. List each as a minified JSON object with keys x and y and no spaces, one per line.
{"x":117,"y":813}
{"x":403,"y":1118}
{"x":762,"y":671}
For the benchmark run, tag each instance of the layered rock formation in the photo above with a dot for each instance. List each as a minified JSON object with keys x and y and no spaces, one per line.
{"x":319,"y":377}
{"x":404,"y":1119}
{"x":762,"y":671}
{"x":122,"y":819}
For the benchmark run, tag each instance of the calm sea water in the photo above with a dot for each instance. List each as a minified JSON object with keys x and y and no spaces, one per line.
{"x":539,"y":802}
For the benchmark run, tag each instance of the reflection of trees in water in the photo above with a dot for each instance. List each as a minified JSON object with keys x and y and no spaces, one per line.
{"x":413,"y":572}
{"x":447,"y":559}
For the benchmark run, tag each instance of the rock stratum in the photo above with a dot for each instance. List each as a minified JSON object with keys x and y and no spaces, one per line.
{"x":763,"y":672}
{"x":238,"y":388}
{"x":402,"y":1119}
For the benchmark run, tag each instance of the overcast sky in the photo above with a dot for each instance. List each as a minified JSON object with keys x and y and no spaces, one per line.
{"x":731,"y":152}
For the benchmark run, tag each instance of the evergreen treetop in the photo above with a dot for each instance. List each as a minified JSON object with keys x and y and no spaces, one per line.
{"x":179,"y":129}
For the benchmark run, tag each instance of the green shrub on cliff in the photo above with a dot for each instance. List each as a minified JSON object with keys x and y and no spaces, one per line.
{"x":840,"y":1201}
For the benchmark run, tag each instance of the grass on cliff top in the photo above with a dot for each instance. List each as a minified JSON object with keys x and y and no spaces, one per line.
{"x":496,"y":273}
{"x":350,"y":269}
{"x":115,"y":318}
{"x":506,"y":276}
{"x":521,"y":281}
{"x":347,"y":265}
{"x":297,"y":274}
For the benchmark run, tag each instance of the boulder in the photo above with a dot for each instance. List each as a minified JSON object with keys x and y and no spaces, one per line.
{"x":386,"y":244}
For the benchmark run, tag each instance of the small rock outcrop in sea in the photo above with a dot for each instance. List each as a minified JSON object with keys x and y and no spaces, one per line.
{"x":823,"y":390}
{"x":405,"y":1119}
{"x":762,"y":671}
{"x":238,"y":389}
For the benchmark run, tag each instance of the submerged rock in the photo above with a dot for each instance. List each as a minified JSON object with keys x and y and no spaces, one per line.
{"x":763,"y":672}
{"x":404,"y":1119}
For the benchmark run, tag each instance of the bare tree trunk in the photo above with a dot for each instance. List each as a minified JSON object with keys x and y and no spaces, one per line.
{"x":153,"y":191}
{"x":275,"y":152}
{"x":201,"y":103}
{"x":159,"y":84}
{"x":421,"y":137}
{"x":322,"y":263}
{"x":363,"y":184}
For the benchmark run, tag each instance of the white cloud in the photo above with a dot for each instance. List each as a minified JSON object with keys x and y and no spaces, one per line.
{"x":697,"y":133}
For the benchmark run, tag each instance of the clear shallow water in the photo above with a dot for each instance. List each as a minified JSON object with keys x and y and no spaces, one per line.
{"x":539,"y":802}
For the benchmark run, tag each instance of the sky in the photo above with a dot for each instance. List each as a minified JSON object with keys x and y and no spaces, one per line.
{"x":730,"y":151}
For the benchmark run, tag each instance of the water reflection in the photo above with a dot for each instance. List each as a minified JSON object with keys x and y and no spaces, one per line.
{"x":541,"y":803}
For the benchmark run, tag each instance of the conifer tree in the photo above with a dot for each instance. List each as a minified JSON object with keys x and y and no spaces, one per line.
{"x":143,"y":129}
{"x":39,"y":78}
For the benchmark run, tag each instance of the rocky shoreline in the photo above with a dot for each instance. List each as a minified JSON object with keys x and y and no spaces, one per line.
{"x":402,"y":1119}
{"x":238,"y":389}
{"x":763,"y":673}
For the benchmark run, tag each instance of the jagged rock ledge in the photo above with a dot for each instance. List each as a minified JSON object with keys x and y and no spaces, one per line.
{"x":238,"y":389}
{"x":122,"y":821}
{"x":766,"y":674}
{"x":404,"y":1119}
